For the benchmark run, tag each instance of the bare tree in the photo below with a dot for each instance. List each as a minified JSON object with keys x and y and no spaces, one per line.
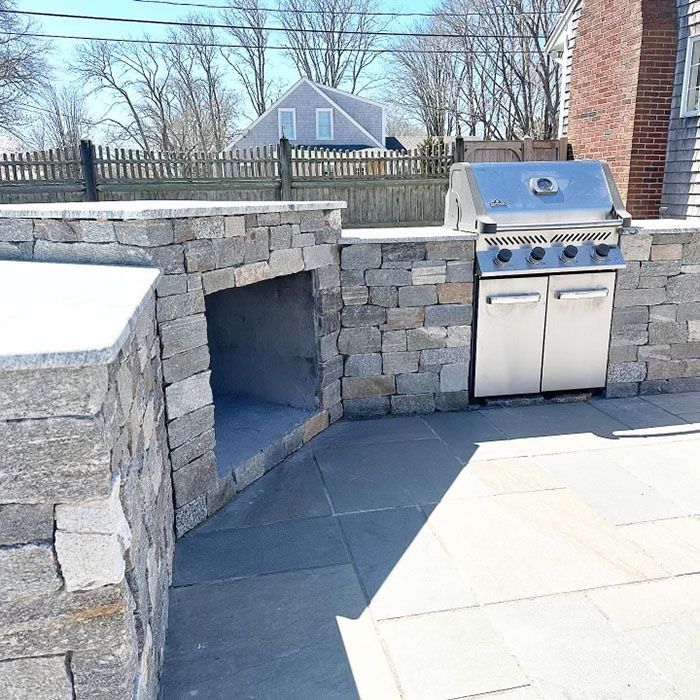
{"x":169,"y":97}
{"x":61,"y":118}
{"x":22,"y":67}
{"x":247,"y":23}
{"x":427,"y":79}
{"x":331,"y":41}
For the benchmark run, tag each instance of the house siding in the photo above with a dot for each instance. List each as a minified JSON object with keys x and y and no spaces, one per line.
{"x":365,"y":113}
{"x":567,"y":58}
{"x":305,"y":99}
{"x":681,"y":189}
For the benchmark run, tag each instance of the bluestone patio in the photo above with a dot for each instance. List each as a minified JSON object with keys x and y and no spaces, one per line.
{"x":549,"y":550}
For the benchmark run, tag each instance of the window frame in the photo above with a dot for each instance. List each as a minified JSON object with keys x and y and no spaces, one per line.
{"x":330,"y":112}
{"x":689,"y":49}
{"x":293,"y":111}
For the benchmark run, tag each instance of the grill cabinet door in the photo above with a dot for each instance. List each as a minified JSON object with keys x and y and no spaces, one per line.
{"x":577,"y":335}
{"x":509,"y":336}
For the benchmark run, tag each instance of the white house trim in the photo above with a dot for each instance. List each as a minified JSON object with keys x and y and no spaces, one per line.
{"x":330,"y":112}
{"x":557,"y":41}
{"x":344,"y":113}
{"x":333,"y":104}
{"x":691,"y":41}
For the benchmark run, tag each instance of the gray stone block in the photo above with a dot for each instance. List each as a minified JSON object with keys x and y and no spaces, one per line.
{"x":188,"y":395}
{"x":190,"y":515}
{"x":640,"y":297}
{"x":199,"y":256}
{"x":686,"y":351}
{"x":363,"y":365}
{"x":400,"y":362}
{"x":62,"y":391}
{"x":182,"y":334}
{"x":619,"y":391}
{"x":629,"y":315}
{"x":228,"y":251}
{"x":328,"y":322}
{"x":636,"y":247}
{"x":360,"y":409}
{"x":16,"y":251}
{"x":450,"y":250}
{"x":393,"y":341}
{"x":69,"y":459}
{"x":361,"y":256}
{"x":353,"y":296}
{"x":403,"y":252}
{"x":192,"y":449}
{"x":661,"y":268}
{"x":327,"y":277}
{"x":316,"y":256}
{"x":433,"y":360}
{"x":429,"y":272}
{"x":388,"y":278}
{"x":418,"y":383}
{"x":193,"y":479}
{"x":179,"y":305}
{"x":286,"y":262}
{"x":454,"y":377}
{"x":330,"y":371}
{"x":365,"y":315}
{"x":673,"y":369}
{"x":26,"y":522}
{"x":412,"y":404}
{"x":632,"y":334}
{"x":404,"y":318}
{"x":58,"y":230}
{"x":216,"y":280}
{"x":458,"y":336}
{"x":388,"y":297}
{"x":664,"y":313}
{"x":234,"y":226}
{"x":168,"y":285}
{"x":654,"y":352}
{"x":426,"y":337}
{"x":623,"y":353}
{"x":328,"y":300}
{"x":145,"y":233}
{"x":303,"y":240}
{"x":359,"y":340}
{"x":418,"y":295}
{"x":460,"y":271}
{"x":331,"y":394}
{"x":448,"y":315}
{"x":328,"y":346}
{"x":352,"y":278}
{"x":16,"y":230}
{"x":312,"y":221}
{"x":688,"y":312}
{"x":28,"y":570}
{"x":684,"y":289}
{"x":252,"y":273}
{"x":368,"y":387}
{"x":627,"y":372}
{"x":256,"y":245}
{"x":452,"y":401}
{"x":273,"y":218}
{"x":207,"y":226}
{"x":662,"y":333}
{"x":36,"y":677}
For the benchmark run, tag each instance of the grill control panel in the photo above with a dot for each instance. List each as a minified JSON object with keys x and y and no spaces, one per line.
{"x":538,"y":260}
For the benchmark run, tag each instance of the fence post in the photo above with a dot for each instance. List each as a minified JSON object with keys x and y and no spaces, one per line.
{"x":563,"y":148}
{"x":87,"y":168}
{"x":459,"y":150}
{"x":528,"y":148}
{"x":285,"y":156}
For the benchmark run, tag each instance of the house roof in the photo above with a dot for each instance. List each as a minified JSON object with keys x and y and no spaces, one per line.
{"x":320,"y":89}
{"x":557,"y":40}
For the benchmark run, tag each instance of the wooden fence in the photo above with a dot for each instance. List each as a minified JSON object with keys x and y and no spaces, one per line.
{"x":381,"y":187}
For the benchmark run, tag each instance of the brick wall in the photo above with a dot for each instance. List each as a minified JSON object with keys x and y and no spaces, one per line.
{"x":623,"y":71}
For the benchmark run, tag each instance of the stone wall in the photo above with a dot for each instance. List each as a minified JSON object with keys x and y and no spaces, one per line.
{"x":201,"y":248}
{"x":406,"y":326}
{"x":655,"y":345}
{"x":86,"y":536}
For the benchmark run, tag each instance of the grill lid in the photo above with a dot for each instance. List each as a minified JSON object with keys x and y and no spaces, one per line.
{"x":490,"y":197}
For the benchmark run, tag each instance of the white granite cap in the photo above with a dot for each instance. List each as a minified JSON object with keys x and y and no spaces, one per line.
{"x":155,"y":209}
{"x":403,"y":234}
{"x":64,"y":315}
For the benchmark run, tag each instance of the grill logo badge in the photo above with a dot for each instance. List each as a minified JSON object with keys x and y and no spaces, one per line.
{"x":497,"y":203}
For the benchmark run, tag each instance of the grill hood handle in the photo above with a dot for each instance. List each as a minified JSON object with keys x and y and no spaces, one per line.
{"x":619,"y":209}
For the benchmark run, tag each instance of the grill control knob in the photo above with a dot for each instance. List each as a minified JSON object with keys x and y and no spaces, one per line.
{"x":602,"y":250}
{"x":537,"y":254}
{"x":504,"y":255}
{"x":570,"y":252}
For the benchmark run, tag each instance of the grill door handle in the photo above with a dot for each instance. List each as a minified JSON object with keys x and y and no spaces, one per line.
{"x":527,"y":298}
{"x":573,"y":294}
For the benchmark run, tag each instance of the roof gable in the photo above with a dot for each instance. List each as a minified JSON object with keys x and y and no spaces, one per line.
{"x":557,"y":39}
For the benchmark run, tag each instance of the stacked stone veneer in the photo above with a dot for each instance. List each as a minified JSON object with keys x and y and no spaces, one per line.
{"x":406,"y":326}
{"x":86,"y":536}
{"x":655,"y":345}
{"x":199,"y":255}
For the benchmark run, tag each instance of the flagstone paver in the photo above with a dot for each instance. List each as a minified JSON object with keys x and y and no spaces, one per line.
{"x":513,"y":553}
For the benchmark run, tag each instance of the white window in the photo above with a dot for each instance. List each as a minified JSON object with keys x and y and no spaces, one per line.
{"x":690,"y":100}
{"x":287,"y":120}
{"x":324,"y":124}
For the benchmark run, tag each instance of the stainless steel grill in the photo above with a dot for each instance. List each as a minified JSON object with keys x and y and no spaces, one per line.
{"x":546,"y":258}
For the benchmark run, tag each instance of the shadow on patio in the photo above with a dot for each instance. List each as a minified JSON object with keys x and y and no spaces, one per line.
{"x":379,"y":561}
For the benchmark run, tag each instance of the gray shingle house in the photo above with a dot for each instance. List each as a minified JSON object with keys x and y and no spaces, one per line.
{"x":310,"y":114}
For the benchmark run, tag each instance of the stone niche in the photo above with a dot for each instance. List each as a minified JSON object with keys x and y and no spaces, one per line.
{"x":86,"y":514}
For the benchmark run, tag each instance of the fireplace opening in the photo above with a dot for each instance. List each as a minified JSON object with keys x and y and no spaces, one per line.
{"x":264,"y":365}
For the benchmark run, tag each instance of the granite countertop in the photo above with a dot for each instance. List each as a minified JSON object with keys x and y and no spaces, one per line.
{"x":61,"y":315}
{"x":406,"y":234}
{"x":689,"y":225}
{"x":155,"y":209}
